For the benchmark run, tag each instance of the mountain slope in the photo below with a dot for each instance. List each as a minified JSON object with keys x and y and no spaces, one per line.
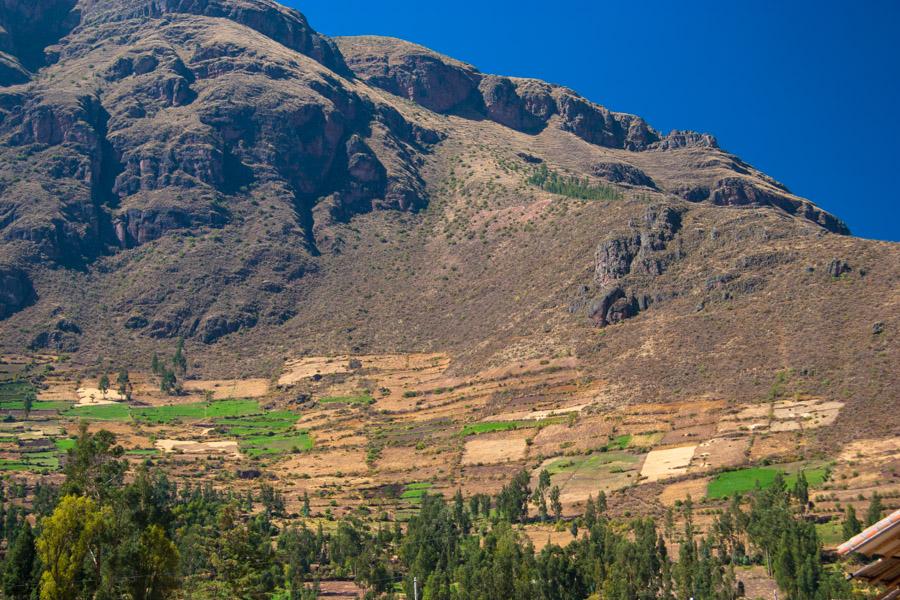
{"x":221,"y":172}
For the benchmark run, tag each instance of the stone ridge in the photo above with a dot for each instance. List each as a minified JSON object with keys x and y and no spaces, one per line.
{"x":282,"y":24}
{"x":446,"y":85}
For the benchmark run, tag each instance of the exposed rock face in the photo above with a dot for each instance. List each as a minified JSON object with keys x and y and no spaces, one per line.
{"x":638,"y":250}
{"x":623,"y":265}
{"x":739,"y":191}
{"x":685,"y":139}
{"x":284,"y":25}
{"x":446,"y":85}
{"x":16,"y":291}
{"x":838,"y":267}
{"x":622,"y":173}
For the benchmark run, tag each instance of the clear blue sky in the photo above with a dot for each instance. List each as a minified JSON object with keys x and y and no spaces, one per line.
{"x":805,"y":90}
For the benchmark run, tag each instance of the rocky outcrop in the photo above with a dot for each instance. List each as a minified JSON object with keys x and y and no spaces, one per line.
{"x":684,"y":139}
{"x":616,"y":172}
{"x":63,"y":337}
{"x":445,"y":85}
{"x":16,"y":291}
{"x":625,"y":265}
{"x":641,"y":250}
{"x":740,"y":191}
{"x":284,"y":25}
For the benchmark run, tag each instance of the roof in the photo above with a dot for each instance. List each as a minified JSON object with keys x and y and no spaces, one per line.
{"x":880,"y":541}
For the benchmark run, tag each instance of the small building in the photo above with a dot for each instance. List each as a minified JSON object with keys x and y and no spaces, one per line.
{"x":880,"y":542}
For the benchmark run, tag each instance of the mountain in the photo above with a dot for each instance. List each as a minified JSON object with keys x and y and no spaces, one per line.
{"x":219,"y":171}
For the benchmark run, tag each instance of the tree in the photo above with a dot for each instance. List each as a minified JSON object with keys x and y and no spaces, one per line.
{"x":512,"y":501}
{"x":104,"y":384}
{"x":154,"y":364}
{"x":876,"y":508}
{"x":19,"y":569}
{"x":179,"y":361}
{"x":156,"y":572}
{"x":555,"y":504}
{"x":851,"y":525}
{"x":168,"y":383}
{"x":123,"y":382}
{"x":28,"y":401}
{"x":95,"y":466}
{"x":69,"y":540}
{"x":801,"y":490}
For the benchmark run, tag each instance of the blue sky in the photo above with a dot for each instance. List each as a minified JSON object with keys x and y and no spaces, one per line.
{"x":806,"y":91}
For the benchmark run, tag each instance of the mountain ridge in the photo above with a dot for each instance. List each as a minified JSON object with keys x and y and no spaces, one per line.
{"x":223,"y":173}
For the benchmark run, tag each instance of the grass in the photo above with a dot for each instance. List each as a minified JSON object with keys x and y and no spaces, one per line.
{"x":196,"y":410}
{"x":744,"y":480}
{"x":363,"y":399}
{"x":268,"y":445}
{"x":415,"y":491}
{"x":492,"y":426}
{"x":33,"y":461}
{"x":252,"y":425}
{"x":259,"y":433}
{"x":831,"y":533}
{"x":594,"y":462}
{"x":100,"y":412}
{"x":619,"y":443}
{"x":64,"y":444}
{"x":60,"y":405}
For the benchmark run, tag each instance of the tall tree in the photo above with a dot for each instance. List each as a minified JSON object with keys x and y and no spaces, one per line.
{"x":875,"y":510}
{"x":851,"y":525}
{"x":69,"y":545}
{"x":28,"y":401}
{"x":104,"y":384}
{"x":19,"y":568}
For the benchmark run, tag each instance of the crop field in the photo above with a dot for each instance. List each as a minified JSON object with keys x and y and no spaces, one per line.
{"x":196,"y":410}
{"x":101,"y":412}
{"x":362,"y":399}
{"x":579,"y":477}
{"x":41,"y":462}
{"x":413,"y":492}
{"x":492,"y":426}
{"x":268,"y":445}
{"x":744,"y":480}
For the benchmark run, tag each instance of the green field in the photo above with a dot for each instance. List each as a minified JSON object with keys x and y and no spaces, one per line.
{"x":101,"y":412}
{"x":268,"y":445}
{"x":252,"y":425}
{"x":492,"y":426}
{"x":259,"y":433}
{"x":64,"y":444}
{"x":196,"y":410}
{"x":619,"y":443}
{"x":599,"y":461}
{"x":738,"y":482}
{"x":33,"y":461}
{"x":363,"y":399}
{"x":415,"y":491}
{"x":59,"y":405}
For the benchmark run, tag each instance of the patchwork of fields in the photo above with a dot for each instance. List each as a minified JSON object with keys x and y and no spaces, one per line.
{"x":389,"y":429}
